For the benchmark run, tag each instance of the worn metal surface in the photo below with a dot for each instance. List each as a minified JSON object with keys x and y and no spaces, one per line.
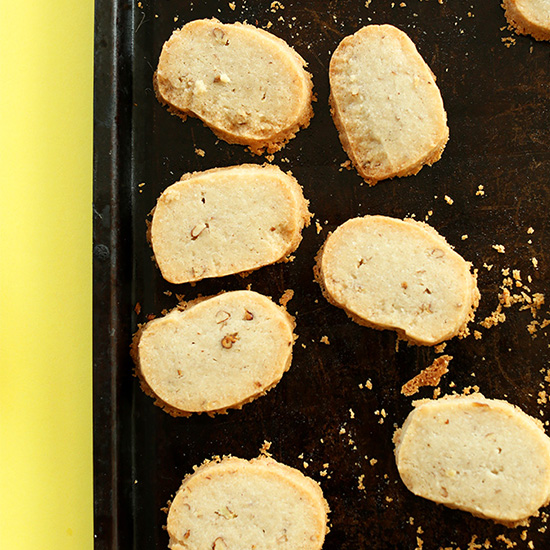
{"x":497,"y":99}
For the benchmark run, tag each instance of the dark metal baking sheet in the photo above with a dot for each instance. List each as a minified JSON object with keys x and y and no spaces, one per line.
{"x":497,"y":99}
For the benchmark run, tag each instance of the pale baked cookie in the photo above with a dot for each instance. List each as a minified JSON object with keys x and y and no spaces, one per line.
{"x":484,"y":456}
{"x":249,"y":86}
{"x":219,"y":353}
{"x":237,"y":503}
{"x":399,"y":275}
{"x":529,"y":17}
{"x":385,"y":104}
{"x":227,"y":220}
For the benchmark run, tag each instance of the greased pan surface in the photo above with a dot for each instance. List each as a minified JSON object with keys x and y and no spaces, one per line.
{"x":489,"y":188}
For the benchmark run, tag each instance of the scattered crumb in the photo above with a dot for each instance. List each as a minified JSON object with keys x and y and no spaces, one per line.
{"x":488,"y":267}
{"x":360,"y":485}
{"x":270,"y":158}
{"x":347,"y":165}
{"x":288,"y":294}
{"x":448,"y":199}
{"x":373,"y":461}
{"x":264,"y":449}
{"x":199,"y":152}
{"x":367,"y":3}
{"x":430,"y":376}
{"x":480,"y":191}
{"x":494,"y":319}
{"x":351,"y":414}
{"x":318,"y":227}
{"x":167,"y":292}
{"x":506,"y":541}
{"x":535,"y":262}
{"x":464,"y":237}
{"x":325,"y":340}
{"x":137,"y":308}
{"x":477,"y":335}
{"x":232,"y":5}
{"x":530,"y":231}
{"x":499,"y":248}
{"x":440,"y":347}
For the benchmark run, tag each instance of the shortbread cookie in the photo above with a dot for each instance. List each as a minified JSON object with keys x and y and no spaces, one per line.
{"x":400,"y":275}
{"x":385,"y":104}
{"x":529,"y":17}
{"x":247,"y":85}
{"x":484,"y":456}
{"x":219,"y":353}
{"x":235,"y":503}
{"x":227,"y":220}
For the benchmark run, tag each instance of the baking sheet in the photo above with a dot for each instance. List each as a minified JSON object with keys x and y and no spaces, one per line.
{"x":321,"y":418}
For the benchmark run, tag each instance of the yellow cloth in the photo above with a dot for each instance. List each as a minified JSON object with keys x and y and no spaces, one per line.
{"x":46,"y":91}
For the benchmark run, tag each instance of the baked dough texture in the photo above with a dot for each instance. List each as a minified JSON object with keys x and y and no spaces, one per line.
{"x":529,"y":17}
{"x":227,"y":220}
{"x":220,"y":352}
{"x":235,"y":503}
{"x":400,"y":275}
{"x":385,"y":104}
{"x":484,"y":456}
{"x":249,"y":86}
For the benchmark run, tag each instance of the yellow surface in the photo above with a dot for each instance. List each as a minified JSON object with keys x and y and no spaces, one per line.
{"x":46,"y":80}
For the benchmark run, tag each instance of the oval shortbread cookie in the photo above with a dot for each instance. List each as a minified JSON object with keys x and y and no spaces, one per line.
{"x":219,"y":353}
{"x":398,"y":274}
{"x":529,"y":17}
{"x":237,"y":503}
{"x":247,"y":85}
{"x":385,"y":104}
{"x":227,"y":220}
{"x":480,"y":455}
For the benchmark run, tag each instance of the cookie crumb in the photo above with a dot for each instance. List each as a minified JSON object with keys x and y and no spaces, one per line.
{"x":499,"y":248}
{"x":325,"y":340}
{"x":264,"y":449}
{"x":448,"y":199}
{"x":288,"y":294}
{"x":430,"y":376}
